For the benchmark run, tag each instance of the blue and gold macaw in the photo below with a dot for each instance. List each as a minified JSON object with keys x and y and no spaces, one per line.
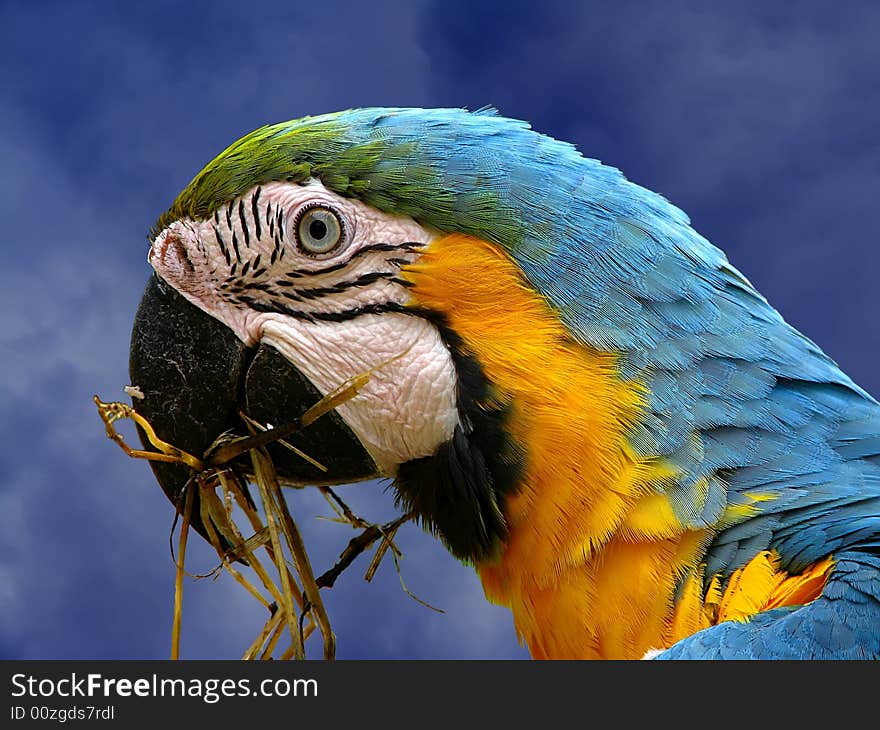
{"x":574,"y":390}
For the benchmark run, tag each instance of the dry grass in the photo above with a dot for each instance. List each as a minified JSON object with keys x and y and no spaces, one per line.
{"x":269,"y":541}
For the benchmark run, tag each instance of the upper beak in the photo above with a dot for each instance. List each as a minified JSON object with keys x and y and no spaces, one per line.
{"x":197,"y":377}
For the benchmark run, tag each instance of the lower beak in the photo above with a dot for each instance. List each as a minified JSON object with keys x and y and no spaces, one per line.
{"x":196,"y":378}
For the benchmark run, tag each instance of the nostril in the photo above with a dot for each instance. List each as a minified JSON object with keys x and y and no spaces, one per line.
{"x":172,"y":243}
{"x":180,"y":252}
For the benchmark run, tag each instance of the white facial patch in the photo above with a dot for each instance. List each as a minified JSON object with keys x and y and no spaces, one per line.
{"x":407,"y":408}
{"x":263,"y":265}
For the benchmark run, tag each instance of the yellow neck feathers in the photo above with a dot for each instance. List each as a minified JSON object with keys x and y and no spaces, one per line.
{"x":595,"y":552}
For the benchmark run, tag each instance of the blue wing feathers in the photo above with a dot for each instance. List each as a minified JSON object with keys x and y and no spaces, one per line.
{"x":841,"y":624}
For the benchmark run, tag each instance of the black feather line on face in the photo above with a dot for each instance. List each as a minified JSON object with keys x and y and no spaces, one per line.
{"x":255,"y":209}
{"x":281,"y":287}
{"x":342,"y":286}
{"x":363,"y":251}
{"x":222,"y":244}
{"x":235,"y":247}
{"x":459,"y":491}
{"x":276,"y":307}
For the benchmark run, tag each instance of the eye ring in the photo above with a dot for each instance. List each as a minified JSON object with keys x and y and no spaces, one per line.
{"x":319,"y":229}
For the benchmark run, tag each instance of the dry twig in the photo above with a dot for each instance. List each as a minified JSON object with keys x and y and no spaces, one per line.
{"x":293,"y":600}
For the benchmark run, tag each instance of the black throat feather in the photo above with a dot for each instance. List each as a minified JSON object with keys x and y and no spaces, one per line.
{"x":458,"y":492}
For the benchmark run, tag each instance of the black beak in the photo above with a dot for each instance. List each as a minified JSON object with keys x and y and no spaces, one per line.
{"x":197,"y":377}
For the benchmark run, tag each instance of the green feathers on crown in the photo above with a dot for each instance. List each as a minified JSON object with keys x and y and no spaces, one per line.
{"x":401,"y":161}
{"x":293,"y":151}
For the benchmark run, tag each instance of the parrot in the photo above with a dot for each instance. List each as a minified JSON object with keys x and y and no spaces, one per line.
{"x":570,"y":387}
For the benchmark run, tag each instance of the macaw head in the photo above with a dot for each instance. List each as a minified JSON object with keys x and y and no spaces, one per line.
{"x":290,"y":265}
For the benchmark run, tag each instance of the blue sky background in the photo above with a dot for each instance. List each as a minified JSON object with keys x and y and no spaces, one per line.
{"x":762,"y":124}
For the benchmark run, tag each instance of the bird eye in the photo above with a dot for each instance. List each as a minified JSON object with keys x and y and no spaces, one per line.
{"x":319,"y":230}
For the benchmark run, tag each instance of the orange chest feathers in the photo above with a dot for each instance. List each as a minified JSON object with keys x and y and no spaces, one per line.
{"x":595,"y":565}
